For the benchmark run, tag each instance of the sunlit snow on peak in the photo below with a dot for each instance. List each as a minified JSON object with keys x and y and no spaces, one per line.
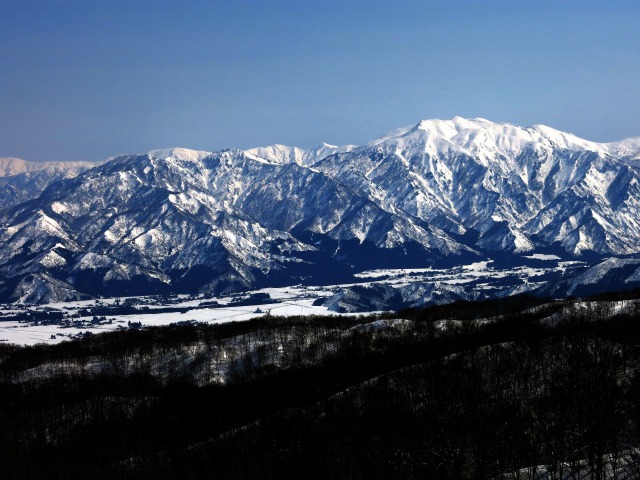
{"x":284,"y":154}
{"x":473,"y":136}
{"x":179,"y":154}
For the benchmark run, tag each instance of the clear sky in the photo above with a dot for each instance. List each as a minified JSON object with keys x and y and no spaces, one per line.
{"x":86,"y":79}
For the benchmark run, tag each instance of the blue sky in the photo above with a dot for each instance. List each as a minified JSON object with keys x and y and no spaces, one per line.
{"x":89,"y":79}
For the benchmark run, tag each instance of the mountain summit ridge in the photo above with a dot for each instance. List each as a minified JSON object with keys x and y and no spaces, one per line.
{"x":464,"y":132}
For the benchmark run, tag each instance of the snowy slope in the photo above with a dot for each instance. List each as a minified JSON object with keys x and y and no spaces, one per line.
{"x":282,"y":154}
{"x":224,"y":221}
{"x":518,"y":188}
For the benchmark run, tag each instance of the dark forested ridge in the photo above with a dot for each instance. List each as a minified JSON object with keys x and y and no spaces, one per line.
{"x":501,"y":389}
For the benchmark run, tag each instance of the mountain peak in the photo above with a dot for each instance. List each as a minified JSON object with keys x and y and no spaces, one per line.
{"x":14,"y":166}
{"x":457,"y":123}
{"x":471,"y":134}
{"x":179,"y":153}
{"x":283,"y":154}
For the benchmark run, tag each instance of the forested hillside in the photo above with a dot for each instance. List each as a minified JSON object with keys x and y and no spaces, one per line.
{"x":502,"y":389}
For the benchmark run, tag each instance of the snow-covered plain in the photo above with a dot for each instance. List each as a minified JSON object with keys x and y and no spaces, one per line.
{"x":542,"y":256}
{"x":282,"y":301}
{"x":289,"y":301}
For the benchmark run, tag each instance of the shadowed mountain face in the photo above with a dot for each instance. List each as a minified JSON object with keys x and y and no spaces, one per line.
{"x":440,"y":192}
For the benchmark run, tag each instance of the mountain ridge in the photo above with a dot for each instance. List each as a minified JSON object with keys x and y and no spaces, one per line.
{"x":10,"y":166}
{"x":437,"y":191}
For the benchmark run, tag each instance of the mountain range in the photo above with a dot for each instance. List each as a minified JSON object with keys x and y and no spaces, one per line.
{"x":437,"y":193}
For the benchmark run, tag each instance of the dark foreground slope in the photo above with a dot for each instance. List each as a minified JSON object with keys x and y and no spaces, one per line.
{"x":462,"y":391}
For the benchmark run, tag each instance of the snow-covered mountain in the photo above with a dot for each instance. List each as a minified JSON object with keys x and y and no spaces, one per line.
{"x":226,"y":221}
{"x":15,"y":166}
{"x":282,"y":154}
{"x":433,"y":193}
{"x":517,"y":188}
{"x":21,"y":180}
